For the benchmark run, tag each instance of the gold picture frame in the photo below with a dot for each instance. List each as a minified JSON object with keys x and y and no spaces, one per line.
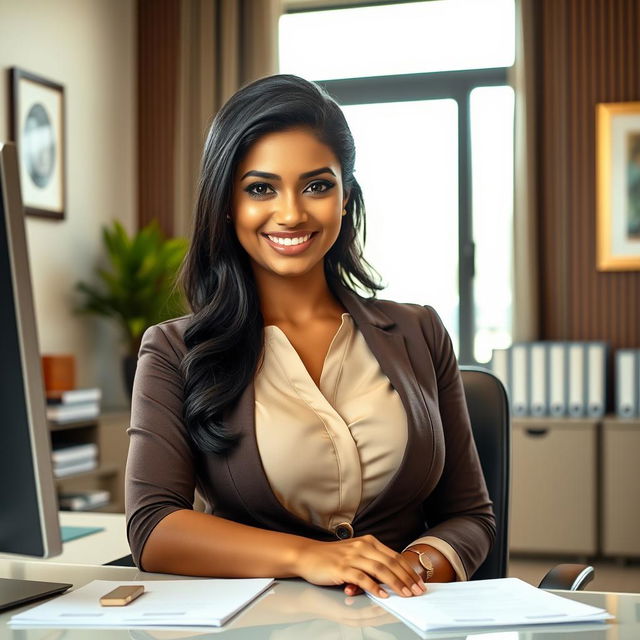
{"x":618,"y":186}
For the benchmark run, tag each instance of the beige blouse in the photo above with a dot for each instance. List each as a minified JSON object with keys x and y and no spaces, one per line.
{"x":327,"y":451}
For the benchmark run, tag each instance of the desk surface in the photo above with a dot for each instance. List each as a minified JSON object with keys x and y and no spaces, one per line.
{"x":294,"y":609}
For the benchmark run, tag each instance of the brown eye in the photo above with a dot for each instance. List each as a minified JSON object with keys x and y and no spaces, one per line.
{"x":258,"y":189}
{"x":320,"y":186}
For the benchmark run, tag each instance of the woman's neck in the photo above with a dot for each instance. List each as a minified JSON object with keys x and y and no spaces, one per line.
{"x":295,"y":300}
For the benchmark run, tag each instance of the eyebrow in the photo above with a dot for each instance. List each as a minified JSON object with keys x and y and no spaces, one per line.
{"x":275,"y":176}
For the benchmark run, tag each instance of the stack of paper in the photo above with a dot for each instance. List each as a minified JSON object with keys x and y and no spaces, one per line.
{"x":164,"y":602}
{"x":486,"y":603}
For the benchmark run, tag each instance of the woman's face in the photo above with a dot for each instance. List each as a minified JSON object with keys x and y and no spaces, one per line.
{"x":287,"y":202}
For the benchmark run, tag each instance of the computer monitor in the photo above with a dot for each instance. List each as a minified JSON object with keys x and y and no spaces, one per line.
{"x":28,"y":503}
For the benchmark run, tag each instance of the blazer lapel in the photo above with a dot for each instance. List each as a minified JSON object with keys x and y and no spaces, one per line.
{"x":390,"y":350}
{"x":249,"y":478}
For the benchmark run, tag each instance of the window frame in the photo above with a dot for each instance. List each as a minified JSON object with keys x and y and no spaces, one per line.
{"x":456,"y":85}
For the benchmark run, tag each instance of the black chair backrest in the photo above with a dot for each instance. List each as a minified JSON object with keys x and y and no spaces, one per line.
{"x":490,"y":421}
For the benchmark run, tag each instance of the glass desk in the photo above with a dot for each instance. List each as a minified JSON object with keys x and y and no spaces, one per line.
{"x":294,"y":609}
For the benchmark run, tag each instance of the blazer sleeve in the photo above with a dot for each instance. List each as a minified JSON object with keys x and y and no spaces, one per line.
{"x":459,"y":510}
{"x":160,"y":472}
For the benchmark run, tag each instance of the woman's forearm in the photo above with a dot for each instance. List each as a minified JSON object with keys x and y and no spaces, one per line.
{"x":193,"y":543}
{"x":443,"y":571}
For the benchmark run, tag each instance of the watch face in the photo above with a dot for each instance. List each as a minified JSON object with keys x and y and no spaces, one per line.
{"x":425,"y":561}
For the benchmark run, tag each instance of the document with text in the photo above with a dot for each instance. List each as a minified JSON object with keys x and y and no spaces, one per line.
{"x":486,"y":603}
{"x":208,"y":602}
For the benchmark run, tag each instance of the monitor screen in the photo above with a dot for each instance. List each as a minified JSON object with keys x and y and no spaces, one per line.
{"x":28,"y":504}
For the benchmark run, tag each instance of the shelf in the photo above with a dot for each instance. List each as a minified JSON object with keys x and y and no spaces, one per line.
{"x":99,"y":472}
{"x":75,"y":424}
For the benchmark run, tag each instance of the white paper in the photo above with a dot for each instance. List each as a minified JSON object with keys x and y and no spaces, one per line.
{"x":164,"y":602}
{"x":486,"y":603}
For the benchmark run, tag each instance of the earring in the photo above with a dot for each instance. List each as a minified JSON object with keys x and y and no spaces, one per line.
{"x":344,"y":212}
{"x":228,"y":218}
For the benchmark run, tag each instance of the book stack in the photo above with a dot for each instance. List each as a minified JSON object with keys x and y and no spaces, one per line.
{"x":73,"y":405}
{"x":84,"y":500}
{"x":71,"y":459}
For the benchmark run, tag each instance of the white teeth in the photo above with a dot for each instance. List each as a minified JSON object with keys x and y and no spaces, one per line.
{"x":286,"y":242}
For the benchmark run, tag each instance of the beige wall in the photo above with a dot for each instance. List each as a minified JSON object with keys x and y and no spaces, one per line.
{"x":88,"y":46}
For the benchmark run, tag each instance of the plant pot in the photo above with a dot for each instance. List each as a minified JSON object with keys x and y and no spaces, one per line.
{"x":129,"y":364}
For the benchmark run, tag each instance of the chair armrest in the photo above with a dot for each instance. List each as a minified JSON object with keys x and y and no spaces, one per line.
{"x":570,"y":577}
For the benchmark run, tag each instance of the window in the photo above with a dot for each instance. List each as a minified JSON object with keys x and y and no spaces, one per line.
{"x":423,"y":86}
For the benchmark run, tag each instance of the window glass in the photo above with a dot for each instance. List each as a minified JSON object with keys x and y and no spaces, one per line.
{"x":407,"y":166}
{"x":400,"y":38}
{"x":492,"y":178}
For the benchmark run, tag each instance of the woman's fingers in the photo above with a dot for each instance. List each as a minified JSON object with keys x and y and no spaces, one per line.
{"x":366,"y":583}
{"x":404,"y":563}
{"x":394,"y":571}
{"x":390,"y":574}
{"x":352,"y":589}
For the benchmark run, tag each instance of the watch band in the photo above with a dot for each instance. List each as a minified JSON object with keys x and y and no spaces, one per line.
{"x":425,"y":563}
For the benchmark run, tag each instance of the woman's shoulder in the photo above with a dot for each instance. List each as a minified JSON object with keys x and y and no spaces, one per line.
{"x":167,"y":335}
{"x":404,"y":310}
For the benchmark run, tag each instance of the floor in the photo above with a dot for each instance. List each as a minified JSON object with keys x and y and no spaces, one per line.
{"x":610,"y":575}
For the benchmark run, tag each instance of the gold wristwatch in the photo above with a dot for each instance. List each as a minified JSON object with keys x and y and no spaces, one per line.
{"x":425,"y":562}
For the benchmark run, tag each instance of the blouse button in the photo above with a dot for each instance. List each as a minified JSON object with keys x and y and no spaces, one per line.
{"x":343,"y":531}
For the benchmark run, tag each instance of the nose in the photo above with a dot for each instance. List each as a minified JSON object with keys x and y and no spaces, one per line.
{"x":290,"y":213}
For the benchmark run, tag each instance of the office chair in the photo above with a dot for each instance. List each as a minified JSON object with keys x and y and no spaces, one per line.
{"x":491,"y":425}
{"x":490,"y":421}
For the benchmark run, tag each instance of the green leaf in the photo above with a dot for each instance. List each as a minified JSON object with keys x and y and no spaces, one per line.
{"x":137,"y":287}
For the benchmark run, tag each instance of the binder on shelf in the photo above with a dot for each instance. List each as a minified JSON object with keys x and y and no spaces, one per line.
{"x":519,"y":383}
{"x":577,"y":387}
{"x":538,"y":403}
{"x":596,"y":374}
{"x":557,"y":376}
{"x":501,"y":367}
{"x":627,"y":383}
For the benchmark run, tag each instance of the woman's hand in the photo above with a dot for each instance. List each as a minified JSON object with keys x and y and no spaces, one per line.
{"x":364,"y":562}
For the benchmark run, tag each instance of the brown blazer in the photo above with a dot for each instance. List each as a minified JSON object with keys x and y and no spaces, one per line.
{"x":438,"y":489}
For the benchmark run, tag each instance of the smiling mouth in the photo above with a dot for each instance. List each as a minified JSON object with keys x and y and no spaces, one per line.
{"x":290,"y":244}
{"x":290,"y":241}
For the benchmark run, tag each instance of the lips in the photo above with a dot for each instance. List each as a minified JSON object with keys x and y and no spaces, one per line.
{"x":290,"y":243}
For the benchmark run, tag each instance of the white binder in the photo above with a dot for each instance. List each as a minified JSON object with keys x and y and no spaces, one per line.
{"x":501,"y":367}
{"x":557,"y":363}
{"x":596,"y":378}
{"x":538,"y":379}
{"x":577,"y":390}
{"x":627,"y":387}
{"x":519,"y":383}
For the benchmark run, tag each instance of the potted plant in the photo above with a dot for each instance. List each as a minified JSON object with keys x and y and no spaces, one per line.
{"x":138,"y":289}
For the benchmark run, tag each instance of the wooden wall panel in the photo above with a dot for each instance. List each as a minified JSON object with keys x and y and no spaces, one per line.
{"x":588,"y":54}
{"x":158,"y":51}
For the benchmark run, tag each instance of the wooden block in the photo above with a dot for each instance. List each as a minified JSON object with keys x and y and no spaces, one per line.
{"x":59,"y":372}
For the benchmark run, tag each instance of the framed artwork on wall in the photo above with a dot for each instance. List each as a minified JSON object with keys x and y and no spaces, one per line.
{"x":38,"y":129}
{"x":618,"y":186}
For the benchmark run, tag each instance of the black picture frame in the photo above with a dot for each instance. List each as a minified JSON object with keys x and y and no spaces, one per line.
{"x":37,"y":114}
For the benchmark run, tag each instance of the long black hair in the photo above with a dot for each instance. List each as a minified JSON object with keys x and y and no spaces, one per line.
{"x":225,"y":336}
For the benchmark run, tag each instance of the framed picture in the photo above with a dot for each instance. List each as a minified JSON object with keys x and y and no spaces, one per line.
{"x":618,"y":186}
{"x":37,"y":127}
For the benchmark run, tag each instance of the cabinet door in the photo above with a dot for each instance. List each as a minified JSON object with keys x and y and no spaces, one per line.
{"x":621,"y":489}
{"x":554,"y":487}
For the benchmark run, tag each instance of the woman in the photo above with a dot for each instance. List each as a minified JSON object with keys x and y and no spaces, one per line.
{"x":326,"y":433}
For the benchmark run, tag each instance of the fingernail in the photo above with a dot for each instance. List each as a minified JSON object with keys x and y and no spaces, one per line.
{"x":416,"y":589}
{"x":383,"y":594}
{"x":406,"y":591}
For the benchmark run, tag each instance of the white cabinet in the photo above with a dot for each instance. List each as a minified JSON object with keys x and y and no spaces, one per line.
{"x":554,"y":490}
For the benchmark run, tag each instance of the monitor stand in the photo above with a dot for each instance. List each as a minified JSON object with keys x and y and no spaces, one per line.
{"x":14,"y":592}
